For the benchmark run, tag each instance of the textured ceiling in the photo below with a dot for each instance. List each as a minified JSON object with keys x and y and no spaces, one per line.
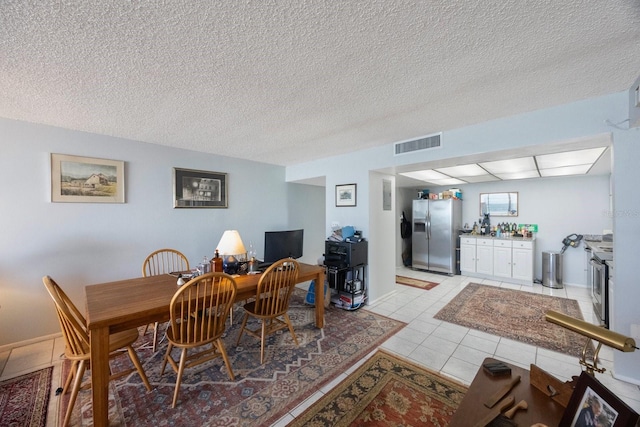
{"x":285,"y":82}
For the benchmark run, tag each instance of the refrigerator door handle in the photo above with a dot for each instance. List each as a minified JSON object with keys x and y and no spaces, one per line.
{"x":428,"y":225}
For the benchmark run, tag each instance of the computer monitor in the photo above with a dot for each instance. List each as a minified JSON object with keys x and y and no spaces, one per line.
{"x":282,"y":244}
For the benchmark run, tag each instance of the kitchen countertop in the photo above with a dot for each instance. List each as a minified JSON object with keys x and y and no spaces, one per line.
{"x":487,"y":236}
{"x":599,"y":249}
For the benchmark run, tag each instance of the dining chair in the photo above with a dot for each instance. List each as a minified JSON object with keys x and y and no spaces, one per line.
{"x":77,"y":344}
{"x":199,"y":311}
{"x":163,"y":261}
{"x":271,"y":302}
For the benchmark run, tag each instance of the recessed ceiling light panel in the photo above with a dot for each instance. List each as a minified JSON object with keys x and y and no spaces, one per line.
{"x":570,"y":158}
{"x":567,"y":170}
{"x":510,"y":166}
{"x":518,"y":175}
{"x":463,"y":170}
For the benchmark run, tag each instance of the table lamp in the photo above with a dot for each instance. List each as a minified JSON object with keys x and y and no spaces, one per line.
{"x":592,"y":332}
{"x":229,"y":246}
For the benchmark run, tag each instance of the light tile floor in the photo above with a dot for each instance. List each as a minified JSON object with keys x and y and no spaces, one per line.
{"x":452,"y":350}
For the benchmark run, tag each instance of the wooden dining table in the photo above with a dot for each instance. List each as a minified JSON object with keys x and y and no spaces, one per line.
{"x":126,"y":304}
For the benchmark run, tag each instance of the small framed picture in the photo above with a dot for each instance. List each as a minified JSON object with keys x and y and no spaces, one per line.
{"x":346,"y":195}
{"x":78,"y":179}
{"x":592,"y":404}
{"x":199,"y":189}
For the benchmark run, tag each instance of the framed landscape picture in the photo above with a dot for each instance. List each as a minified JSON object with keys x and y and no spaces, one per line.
{"x":346,"y":195}
{"x":86,"y":180}
{"x":199,"y":189}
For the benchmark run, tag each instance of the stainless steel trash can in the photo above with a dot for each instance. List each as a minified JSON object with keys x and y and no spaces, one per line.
{"x":552,"y":269}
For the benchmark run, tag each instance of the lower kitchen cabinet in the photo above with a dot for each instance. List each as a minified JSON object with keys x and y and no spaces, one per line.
{"x":522,"y":261}
{"x":476,"y":255}
{"x":497,"y":258}
{"x":484,"y":256}
{"x":502,"y":258}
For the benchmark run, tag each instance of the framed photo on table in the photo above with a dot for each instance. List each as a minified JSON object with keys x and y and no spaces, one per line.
{"x":346,"y":195}
{"x":78,"y":179}
{"x":593,"y":404}
{"x":199,"y":189}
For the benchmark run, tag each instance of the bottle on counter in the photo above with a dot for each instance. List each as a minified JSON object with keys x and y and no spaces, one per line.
{"x":216,"y":262}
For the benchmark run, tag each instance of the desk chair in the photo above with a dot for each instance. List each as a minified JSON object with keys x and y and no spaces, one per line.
{"x":199,"y":311}
{"x":163,"y":261}
{"x":272,"y":302}
{"x":77,"y":346}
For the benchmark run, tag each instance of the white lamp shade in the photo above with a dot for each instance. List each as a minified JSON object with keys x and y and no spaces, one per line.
{"x":231,"y":243}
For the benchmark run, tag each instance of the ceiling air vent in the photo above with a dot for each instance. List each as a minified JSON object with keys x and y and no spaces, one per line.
{"x":424,"y":143}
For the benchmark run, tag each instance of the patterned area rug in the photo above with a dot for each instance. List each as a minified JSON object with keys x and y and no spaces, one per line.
{"x":386,"y":391}
{"x":416,"y":283}
{"x":24,"y":399}
{"x":516,"y":315}
{"x":261,"y":394}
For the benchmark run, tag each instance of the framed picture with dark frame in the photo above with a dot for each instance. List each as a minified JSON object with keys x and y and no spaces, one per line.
{"x":78,"y":179}
{"x":592,"y":404}
{"x":346,"y":195}
{"x":199,"y":189}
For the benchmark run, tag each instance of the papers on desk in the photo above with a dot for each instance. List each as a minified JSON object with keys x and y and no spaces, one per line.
{"x":184,"y":274}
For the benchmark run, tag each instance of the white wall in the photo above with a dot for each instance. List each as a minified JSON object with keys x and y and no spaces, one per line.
{"x":382,"y":251}
{"x":550,"y":126}
{"x":560,"y":207}
{"x":84,"y":243}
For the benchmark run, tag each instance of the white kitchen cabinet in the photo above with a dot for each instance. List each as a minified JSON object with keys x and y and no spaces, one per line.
{"x":497,"y":258}
{"x":522,"y":261}
{"x":484,"y":256}
{"x":468,"y":255}
{"x":502,"y":259}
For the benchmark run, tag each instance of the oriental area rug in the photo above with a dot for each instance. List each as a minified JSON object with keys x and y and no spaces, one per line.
{"x":24,"y":399}
{"x":416,"y":283}
{"x":516,"y":315}
{"x":386,"y":391}
{"x":260,"y":394}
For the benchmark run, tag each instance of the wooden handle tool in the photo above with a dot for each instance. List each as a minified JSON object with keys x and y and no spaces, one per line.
{"x":495,"y":412}
{"x":502,"y":392}
{"x":511,"y":412}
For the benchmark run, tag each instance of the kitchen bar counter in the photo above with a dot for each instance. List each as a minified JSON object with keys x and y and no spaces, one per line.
{"x":488,"y":236}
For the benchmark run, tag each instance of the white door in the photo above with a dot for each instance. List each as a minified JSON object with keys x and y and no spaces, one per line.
{"x":484,"y":259}
{"x":522,"y":264}
{"x":468,"y":258}
{"x":502,"y":261}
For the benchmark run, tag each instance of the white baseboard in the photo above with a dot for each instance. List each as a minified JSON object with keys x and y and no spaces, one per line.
{"x":11,"y":346}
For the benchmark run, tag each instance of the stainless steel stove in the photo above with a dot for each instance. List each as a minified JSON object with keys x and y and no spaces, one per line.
{"x":598,"y":277}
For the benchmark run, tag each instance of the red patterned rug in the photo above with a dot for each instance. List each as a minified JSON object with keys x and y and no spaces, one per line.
{"x":416,"y":283}
{"x":261,"y":394}
{"x":386,"y":391}
{"x":516,"y":315}
{"x":24,"y":399}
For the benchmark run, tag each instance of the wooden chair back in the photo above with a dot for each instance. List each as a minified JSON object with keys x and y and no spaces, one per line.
{"x":199,"y":309}
{"x":275,"y":288}
{"x":72,"y":322}
{"x":164,"y":261}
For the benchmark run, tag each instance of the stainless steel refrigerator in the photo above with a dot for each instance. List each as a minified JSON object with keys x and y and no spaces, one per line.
{"x":436,"y":224}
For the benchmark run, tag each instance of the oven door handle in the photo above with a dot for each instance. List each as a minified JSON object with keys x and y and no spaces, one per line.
{"x":595,"y":263}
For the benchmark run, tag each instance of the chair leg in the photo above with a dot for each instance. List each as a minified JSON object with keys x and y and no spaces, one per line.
{"x":244,"y":324}
{"x":183,"y":360}
{"x":136,"y":362}
{"x":74,"y":391}
{"x":166,"y":356}
{"x":290,"y":325}
{"x":223,"y":352}
{"x":155,"y":337}
{"x":263,"y":338}
{"x":72,"y":372}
